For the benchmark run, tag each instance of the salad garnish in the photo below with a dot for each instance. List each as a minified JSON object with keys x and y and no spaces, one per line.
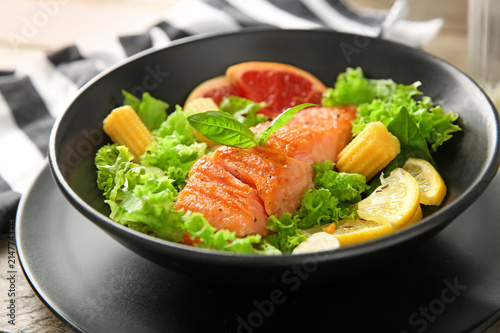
{"x":224,"y":129}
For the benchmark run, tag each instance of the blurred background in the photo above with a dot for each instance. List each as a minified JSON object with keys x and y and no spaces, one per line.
{"x":28,"y":26}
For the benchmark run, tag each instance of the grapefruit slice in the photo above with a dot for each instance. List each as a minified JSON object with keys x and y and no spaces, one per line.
{"x":281,"y":86}
{"x":215,"y":88}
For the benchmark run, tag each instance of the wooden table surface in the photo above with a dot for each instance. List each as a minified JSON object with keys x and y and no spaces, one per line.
{"x":74,"y":20}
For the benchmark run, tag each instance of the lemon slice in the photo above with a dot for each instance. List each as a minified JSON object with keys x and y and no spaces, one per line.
{"x":351,"y":232}
{"x":417,"y":217}
{"x":432,"y":187}
{"x":394,"y":203}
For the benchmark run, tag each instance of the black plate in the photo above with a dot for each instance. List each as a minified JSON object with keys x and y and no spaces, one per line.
{"x":449,"y":284}
{"x":467,"y":162}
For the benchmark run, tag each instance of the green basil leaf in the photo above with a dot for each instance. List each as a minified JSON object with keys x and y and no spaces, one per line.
{"x":223,"y":129}
{"x":279,"y":122}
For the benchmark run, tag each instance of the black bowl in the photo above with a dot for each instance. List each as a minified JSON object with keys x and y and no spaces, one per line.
{"x":467,"y":163}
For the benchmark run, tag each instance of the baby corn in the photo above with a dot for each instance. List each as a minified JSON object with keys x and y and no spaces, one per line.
{"x":124,"y":127}
{"x":201,"y":104}
{"x":198,"y":105}
{"x":370,"y":151}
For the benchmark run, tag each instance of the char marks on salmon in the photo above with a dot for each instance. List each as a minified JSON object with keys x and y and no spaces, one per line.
{"x":224,"y":200}
{"x":280,"y":181}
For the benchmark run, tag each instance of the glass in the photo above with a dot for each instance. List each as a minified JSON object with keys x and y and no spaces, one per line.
{"x":484,"y":45}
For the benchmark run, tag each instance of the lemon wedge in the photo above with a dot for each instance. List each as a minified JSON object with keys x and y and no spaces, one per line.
{"x":432,"y":186}
{"x":394,"y":203}
{"x":351,"y":232}
{"x":417,"y":217}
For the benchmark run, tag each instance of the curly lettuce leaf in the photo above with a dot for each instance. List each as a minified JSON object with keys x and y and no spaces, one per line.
{"x":244,"y":110}
{"x":344,"y":186}
{"x":139,"y":198}
{"x":150,"y":203}
{"x":381,"y":100}
{"x":223,"y":240}
{"x":173,"y":157}
{"x":287,"y":235}
{"x":150,"y":110}
{"x":177,"y":125}
{"x":333,"y":198}
{"x":175,"y":148}
{"x":435,"y":125}
{"x":112,"y":162}
{"x":352,"y":87}
{"x":320,"y":206}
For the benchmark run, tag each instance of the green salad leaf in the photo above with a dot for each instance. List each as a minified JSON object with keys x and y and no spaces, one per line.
{"x":137,"y":198}
{"x":224,"y":240}
{"x":342,"y":185}
{"x":413,"y":143}
{"x":286,"y":234}
{"x":319,"y":206}
{"x":436,"y":126}
{"x":173,"y":157}
{"x":150,"y":110}
{"x":381,"y":100}
{"x":176,"y":124}
{"x":112,"y":162}
{"x":131,"y":100}
{"x":244,"y":110}
{"x":175,"y":148}
{"x":333,"y":198}
{"x":351,"y":88}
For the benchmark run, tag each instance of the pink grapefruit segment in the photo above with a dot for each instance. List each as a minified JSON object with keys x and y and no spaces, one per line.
{"x":216,"y":88}
{"x":281,"y":86}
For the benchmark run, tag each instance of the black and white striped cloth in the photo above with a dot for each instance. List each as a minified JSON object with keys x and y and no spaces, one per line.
{"x":33,"y":95}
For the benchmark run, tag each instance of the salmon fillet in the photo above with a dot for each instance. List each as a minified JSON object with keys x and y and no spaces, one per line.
{"x":224,"y":200}
{"x":280,"y":181}
{"x":237,"y":189}
{"x":315,"y":134}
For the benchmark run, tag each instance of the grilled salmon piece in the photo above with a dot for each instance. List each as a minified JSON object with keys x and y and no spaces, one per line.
{"x":280,"y":180}
{"x":315,"y":134}
{"x":225,"y":201}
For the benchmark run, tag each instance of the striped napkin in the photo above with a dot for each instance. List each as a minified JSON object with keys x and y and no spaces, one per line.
{"x":33,"y":95}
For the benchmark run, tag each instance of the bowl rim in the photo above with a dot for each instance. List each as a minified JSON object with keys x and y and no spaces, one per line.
{"x":427,"y":225}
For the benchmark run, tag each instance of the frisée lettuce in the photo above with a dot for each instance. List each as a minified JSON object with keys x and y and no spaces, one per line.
{"x":381,"y":100}
{"x":143,"y":199}
{"x":175,"y":148}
